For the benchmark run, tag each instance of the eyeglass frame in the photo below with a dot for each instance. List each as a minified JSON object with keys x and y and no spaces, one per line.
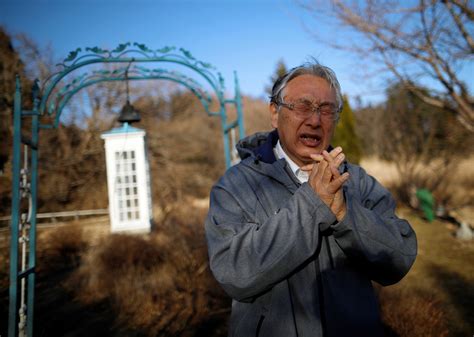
{"x":315,"y":108}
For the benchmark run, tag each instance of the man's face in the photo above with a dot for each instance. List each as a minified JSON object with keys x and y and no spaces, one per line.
{"x":301,"y":137}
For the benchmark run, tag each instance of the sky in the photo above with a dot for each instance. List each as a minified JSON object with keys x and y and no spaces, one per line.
{"x":248,"y":36}
{"x":242,"y":35}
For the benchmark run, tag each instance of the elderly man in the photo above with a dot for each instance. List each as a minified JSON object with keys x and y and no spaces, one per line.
{"x":295,"y":233}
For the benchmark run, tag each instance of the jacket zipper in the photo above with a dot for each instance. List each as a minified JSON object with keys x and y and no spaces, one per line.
{"x":292,"y":307}
{"x":259,"y":325}
{"x":319,"y":282}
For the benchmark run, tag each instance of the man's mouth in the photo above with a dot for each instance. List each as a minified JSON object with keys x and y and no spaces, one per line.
{"x":310,"y":140}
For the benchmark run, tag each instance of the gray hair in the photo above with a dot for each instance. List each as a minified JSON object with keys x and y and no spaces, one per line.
{"x":308,"y":68}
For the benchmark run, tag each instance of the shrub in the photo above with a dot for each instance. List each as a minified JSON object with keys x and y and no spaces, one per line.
{"x":409,"y":314}
{"x":61,"y":248}
{"x":159,"y":285}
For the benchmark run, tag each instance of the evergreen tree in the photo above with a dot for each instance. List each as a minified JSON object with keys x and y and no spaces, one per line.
{"x":280,"y":70}
{"x":345,"y":134}
{"x":426,"y":143}
{"x":10,"y":66}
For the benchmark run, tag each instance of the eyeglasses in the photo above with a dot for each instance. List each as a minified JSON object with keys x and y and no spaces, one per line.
{"x":304,"y":109}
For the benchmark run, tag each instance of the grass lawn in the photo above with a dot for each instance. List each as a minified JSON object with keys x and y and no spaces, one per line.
{"x":443,"y":274}
{"x":435,"y":299}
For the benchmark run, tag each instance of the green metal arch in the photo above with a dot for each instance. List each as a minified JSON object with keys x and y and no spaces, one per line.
{"x":121,"y":55}
{"x":63,"y":102}
{"x":52,"y":100}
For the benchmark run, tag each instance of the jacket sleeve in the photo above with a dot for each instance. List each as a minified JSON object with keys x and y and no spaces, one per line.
{"x":248,"y":258}
{"x":372,"y":235}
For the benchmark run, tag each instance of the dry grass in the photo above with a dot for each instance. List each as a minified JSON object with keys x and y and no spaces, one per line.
{"x":62,"y":248}
{"x":435,"y":297}
{"x":411,"y":314}
{"x":127,"y":285}
{"x":456,"y":193}
{"x":256,"y":115}
{"x":159,"y":284}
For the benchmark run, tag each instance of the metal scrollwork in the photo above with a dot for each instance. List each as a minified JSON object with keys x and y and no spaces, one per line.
{"x":165,"y":50}
{"x":187,"y":54}
{"x":128,"y":53}
{"x":122,"y":50}
{"x":143,"y":47}
{"x":72,"y":55}
{"x":23,"y":240}
{"x":121,"y":47}
{"x":138,"y":49}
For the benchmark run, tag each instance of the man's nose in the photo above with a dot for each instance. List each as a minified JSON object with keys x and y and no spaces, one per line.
{"x":314,"y":119}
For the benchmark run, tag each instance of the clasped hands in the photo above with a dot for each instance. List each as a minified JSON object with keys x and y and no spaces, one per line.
{"x":326,"y":181}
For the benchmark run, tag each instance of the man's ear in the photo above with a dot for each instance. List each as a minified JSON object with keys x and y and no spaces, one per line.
{"x":273,"y":108}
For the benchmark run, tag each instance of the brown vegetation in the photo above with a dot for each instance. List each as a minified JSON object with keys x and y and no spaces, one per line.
{"x":10,"y":65}
{"x":412,"y":314}
{"x":150,"y":285}
{"x":425,"y":145}
{"x":62,"y":248}
{"x":455,"y":192}
{"x":437,"y":286}
{"x":160,"y":284}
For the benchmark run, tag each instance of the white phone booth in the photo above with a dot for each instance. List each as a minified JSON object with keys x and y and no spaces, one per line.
{"x":128,"y":179}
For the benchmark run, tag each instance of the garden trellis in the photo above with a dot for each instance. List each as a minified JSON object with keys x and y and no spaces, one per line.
{"x":48,"y":104}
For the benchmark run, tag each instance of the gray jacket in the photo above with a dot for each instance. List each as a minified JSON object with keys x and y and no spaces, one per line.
{"x":290,"y":267}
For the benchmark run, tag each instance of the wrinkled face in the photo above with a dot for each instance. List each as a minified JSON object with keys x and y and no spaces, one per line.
{"x":301,"y":137}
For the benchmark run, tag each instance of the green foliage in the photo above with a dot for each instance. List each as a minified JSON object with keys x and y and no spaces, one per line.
{"x":345,"y":135}
{"x":280,"y":70}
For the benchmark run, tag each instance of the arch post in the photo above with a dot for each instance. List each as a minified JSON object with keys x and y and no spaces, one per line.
{"x":56,"y":93}
{"x":23,"y":222}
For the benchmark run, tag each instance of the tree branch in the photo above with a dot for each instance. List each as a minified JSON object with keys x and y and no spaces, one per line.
{"x":460,"y":25}
{"x":434,"y":35}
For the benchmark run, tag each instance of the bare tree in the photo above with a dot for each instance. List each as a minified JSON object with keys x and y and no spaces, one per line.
{"x":39,"y":60}
{"x":10,"y":66}
{"x":72,"y":165}
{"x":424,"y":43}
{"x":425,"y":144}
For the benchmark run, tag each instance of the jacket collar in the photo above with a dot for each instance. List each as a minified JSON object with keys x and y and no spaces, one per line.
{"x":265,"y":152}
{"x":256,"y":152}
